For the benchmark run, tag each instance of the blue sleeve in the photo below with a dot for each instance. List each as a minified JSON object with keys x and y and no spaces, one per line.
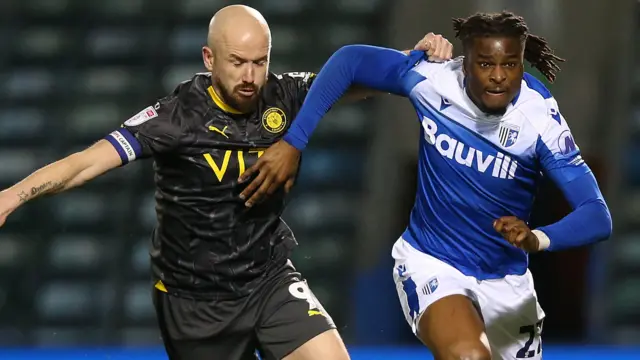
{"x":590,"y":220}
{"x":373,"y":67}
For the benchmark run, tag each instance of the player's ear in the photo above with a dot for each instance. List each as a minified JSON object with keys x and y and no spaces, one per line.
{"x":207,"y":57}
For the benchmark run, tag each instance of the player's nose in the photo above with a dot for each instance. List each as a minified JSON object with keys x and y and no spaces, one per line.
{"x":248,"y":75}
{"x":498,"y":75}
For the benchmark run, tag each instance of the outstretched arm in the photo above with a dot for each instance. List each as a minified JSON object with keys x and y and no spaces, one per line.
{"x":437,"y":49}
{"x":65,"y":174}
{"x":372,"y":67}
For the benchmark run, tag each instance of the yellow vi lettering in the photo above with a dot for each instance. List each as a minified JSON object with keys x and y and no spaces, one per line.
{"x":221,"y":170}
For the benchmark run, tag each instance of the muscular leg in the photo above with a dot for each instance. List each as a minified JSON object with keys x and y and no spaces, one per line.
{"x":295,"y":326}
{"x":327,"y":345}
{"x":453,"y":330}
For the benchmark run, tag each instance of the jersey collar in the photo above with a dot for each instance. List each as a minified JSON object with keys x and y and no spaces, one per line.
{"x":221,"y":104}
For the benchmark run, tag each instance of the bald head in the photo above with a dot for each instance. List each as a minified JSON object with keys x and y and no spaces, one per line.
{"x":238,"y":25}
{"x":237,"y":55}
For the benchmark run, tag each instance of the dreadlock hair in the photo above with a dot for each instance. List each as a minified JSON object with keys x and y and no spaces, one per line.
{"x":536,"y":51}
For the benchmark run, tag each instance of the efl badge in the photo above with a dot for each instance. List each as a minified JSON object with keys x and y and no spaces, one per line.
{"x":508,"y":134}
{"x":142,"y":117}
{"x":274,"y":120}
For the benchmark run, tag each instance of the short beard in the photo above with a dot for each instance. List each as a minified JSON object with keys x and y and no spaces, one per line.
{"x":227,"y":97}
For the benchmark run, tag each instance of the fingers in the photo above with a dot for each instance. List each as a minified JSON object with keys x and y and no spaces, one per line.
{"x":425,"y":43}
{"x":437,"y":47}
{"x":289,"y":185}
{"x":249,"y":172}
{"x":504,"y":224}
{"x":255,"y":184}
{"x":267,"y":188}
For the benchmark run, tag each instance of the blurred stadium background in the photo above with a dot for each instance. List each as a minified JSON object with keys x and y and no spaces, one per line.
{"x":74,"y":277}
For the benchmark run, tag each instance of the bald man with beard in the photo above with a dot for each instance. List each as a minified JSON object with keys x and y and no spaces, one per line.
{"x":224,"y":286}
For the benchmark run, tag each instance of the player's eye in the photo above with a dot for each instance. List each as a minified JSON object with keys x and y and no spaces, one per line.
{"x":261,"y":62}
{"x":510,"y":64}
{"x":484,"y":64}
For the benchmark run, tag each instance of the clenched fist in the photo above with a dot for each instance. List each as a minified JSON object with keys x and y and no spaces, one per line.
{"x":517,"y":232}
{"x":437,"y":47}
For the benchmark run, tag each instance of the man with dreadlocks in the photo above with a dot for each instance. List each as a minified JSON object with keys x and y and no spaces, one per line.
{"x":491,"y":131}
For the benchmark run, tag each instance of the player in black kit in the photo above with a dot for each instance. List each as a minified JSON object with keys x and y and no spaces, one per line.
{"x":223,"y":283}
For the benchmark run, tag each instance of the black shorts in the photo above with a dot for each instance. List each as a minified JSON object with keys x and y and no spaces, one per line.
{"x":275,"y":320}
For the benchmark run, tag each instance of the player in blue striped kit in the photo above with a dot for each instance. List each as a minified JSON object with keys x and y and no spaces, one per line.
{"x":490,"y":132}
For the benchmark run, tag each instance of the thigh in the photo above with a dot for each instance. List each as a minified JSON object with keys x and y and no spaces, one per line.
{"x":194,"y":330}
{"x":513,"y":317}
{"x":291,"y":316}
{"x":452,"y":328}
{"x":421,"y":280}
{"x":439,"y":304}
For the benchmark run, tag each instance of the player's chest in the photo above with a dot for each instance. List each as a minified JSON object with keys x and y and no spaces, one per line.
{"x":227,"y":145}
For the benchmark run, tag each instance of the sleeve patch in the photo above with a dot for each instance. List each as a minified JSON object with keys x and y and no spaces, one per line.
{"x":142,"y":117}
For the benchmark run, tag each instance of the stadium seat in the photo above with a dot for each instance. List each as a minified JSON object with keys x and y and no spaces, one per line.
{"x":146,"y":211}
{"x":113,"y":42}
{"x":199,"y":8}
{"x":29,"y":83}
{"x":50,"y":7}
{"x":285,"y":7}
{"x":179,"y":73}
{"x":81,"y":207}
{"x":20,"y":124}
{"x":137,"y":304}
{"x":286,"y":39}
{"x":119,"y":8}
{"x":106,"y":81}
{"x":187,"y":42}
{"x":59,"y":301}
{"x":16,"y":164}
{"x":93,"y":120}
{"x":323,"y":212}
{"x":43,"y":42}
{"x":140,"y":262}
{"x":80,"y":254}
{"x":14,"y":252}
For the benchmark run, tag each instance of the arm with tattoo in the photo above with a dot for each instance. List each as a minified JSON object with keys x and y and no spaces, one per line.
{"x":65,"y":174}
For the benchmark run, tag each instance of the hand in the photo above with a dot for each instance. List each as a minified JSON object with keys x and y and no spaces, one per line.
{"x":278,"y":165}
{"x":437,"y":47}
{"x":6,"y":207}
{"x":516,"y":232}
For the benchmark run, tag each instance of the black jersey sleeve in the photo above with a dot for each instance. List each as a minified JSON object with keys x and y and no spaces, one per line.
{"x":154,"y":130}
{"x":298,"y":84}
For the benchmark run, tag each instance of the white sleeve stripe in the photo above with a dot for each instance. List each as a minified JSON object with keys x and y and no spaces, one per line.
{"x":123,"y":146}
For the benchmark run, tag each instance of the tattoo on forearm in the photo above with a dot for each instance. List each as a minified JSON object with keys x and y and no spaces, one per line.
{"x":48,"y":187}
{"x":23,"y":196}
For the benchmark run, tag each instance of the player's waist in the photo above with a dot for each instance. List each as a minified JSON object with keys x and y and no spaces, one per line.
{"x":484,"y":261}
{"x":207,"y":284}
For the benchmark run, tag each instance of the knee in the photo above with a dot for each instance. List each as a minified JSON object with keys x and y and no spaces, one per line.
{"x":469,"y":351}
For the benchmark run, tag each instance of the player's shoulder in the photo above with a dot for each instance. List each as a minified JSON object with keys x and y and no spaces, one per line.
{"x":188,"y":100}
{"x":288,"y":87}
{"x":191,"y":92}
{"x":439,"y":70}
{"x":442,"y":77}
{"x":290,"y":81}
{"x":536,"y":103}
{"x":293,"y":76}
